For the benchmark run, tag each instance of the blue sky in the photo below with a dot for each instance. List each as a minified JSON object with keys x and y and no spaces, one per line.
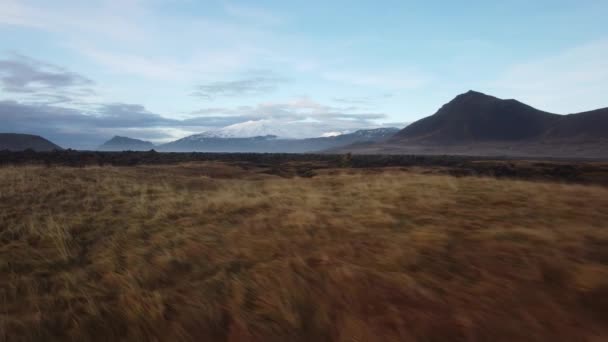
{"x":80,"y":72}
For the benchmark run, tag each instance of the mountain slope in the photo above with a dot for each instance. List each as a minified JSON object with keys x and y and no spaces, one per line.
{"x":590,"y":125}
{"x":118,"y":143}
{"x":20,"y":142}
{"x":247,"y":129}
{"x":477,"y":124}
{"x":475,"y":117}
{"x":270,"y":143}
{"x":208,"y":143}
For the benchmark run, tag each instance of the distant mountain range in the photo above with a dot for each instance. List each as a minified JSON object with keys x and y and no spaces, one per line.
{"x":118,"y":143}
{"x":212,"y":142}
{"x":471,"y":124}
{"x":477,"y":124}
{"x":247,"y":129}
{"x":272,"y":143}
{"x":21,"y":142}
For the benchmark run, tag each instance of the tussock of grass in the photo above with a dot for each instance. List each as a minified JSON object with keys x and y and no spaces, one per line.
{"x":181,"y":253}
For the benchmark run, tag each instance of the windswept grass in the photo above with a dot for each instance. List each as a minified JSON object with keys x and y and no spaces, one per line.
{"x":209,"y":252}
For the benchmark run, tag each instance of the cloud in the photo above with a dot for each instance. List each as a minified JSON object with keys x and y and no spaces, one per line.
{"x":113,"y":19}
{"x":571,"y":81}
{"x":253,"y":85}
{"x":294,"y":129}
{"x":297,"y":109}
{"x":218,"y":61}
{"x":253,"y":14}
{"x":49,"y":108}
{"x":21,"y":74}
{"x":362,"y":100}
{"x":301,"y":117}
{"x":381,"y":79}
{"x":216,"y":121}
{"x":353,"y":100}
{"x":18,"y":14}
{"x":120,"y":35}
{"x":135,"y":65}
{"x":88,"y":128}
{"x":79,"y":129}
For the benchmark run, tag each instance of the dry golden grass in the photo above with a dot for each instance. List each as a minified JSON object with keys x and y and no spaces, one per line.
{"x":206,"y":252}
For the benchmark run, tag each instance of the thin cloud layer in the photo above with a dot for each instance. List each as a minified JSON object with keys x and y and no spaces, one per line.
{"x":51,"y":101}
{"x":21,"y":74}
{"x":69,"y":127}
{"x":580,"y":74}
{"x":296,"y":110}
{"x":255,"y":85}
{"x":145,"y":51}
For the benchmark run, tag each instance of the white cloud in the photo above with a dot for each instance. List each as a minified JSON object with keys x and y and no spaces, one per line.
{"x":302,"y":109}
{"x":574,"y":80}
{"x":286,"y":128}
{"x":136,"y":40}
{"x":331,"y":134}
{"x":298,"y":118}
{"x":383,"y":79}
{"x":16,"y":13}
{"x":254,"y":14}
{"x":111,"y":19}
{"x":136,"y":65}
{"x":209,"y":64}
{"x":35,"y":81}
{"x":257,"y":83}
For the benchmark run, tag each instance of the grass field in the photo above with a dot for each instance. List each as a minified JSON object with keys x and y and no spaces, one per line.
{"x":210,"y":251}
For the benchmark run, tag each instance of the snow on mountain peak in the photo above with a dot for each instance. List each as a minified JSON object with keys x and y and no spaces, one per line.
{"x":285,"y":130}
{"x":331,"y":134}
{"x":247,"y":129}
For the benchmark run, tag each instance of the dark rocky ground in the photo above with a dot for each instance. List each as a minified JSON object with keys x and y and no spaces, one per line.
{"x":308,"y":165}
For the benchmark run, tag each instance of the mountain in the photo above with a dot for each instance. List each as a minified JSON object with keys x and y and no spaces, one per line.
{"x":247,"y":129}
{"x":590,"y":125}
{"x":271,"y":143}
{"x":474,"y":123}
{"x":118,"y":143}
{"x":362,"y":135}
{"x":475,"y":117}
{"x":20,"y":142}
{"x":209,"y":143}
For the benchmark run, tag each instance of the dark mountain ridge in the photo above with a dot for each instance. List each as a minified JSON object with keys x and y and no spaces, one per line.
{"x":118,"y":143}
{"x":474,"y":117}
{"x":21,"y":142}
{"x":591,"y":125}
{"x":481,"y":125}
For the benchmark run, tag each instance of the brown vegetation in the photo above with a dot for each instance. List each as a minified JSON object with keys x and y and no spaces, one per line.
{"x":210,"y":251}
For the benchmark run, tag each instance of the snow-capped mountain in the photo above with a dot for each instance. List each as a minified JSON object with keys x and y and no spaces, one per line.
{"x":247,"y":129}
{"x":271,"y":143}
{"x":332,"y":134}
{"x":376,"y":133}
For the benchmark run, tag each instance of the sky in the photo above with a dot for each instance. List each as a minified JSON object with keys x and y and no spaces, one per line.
{"x":80,"y":72}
